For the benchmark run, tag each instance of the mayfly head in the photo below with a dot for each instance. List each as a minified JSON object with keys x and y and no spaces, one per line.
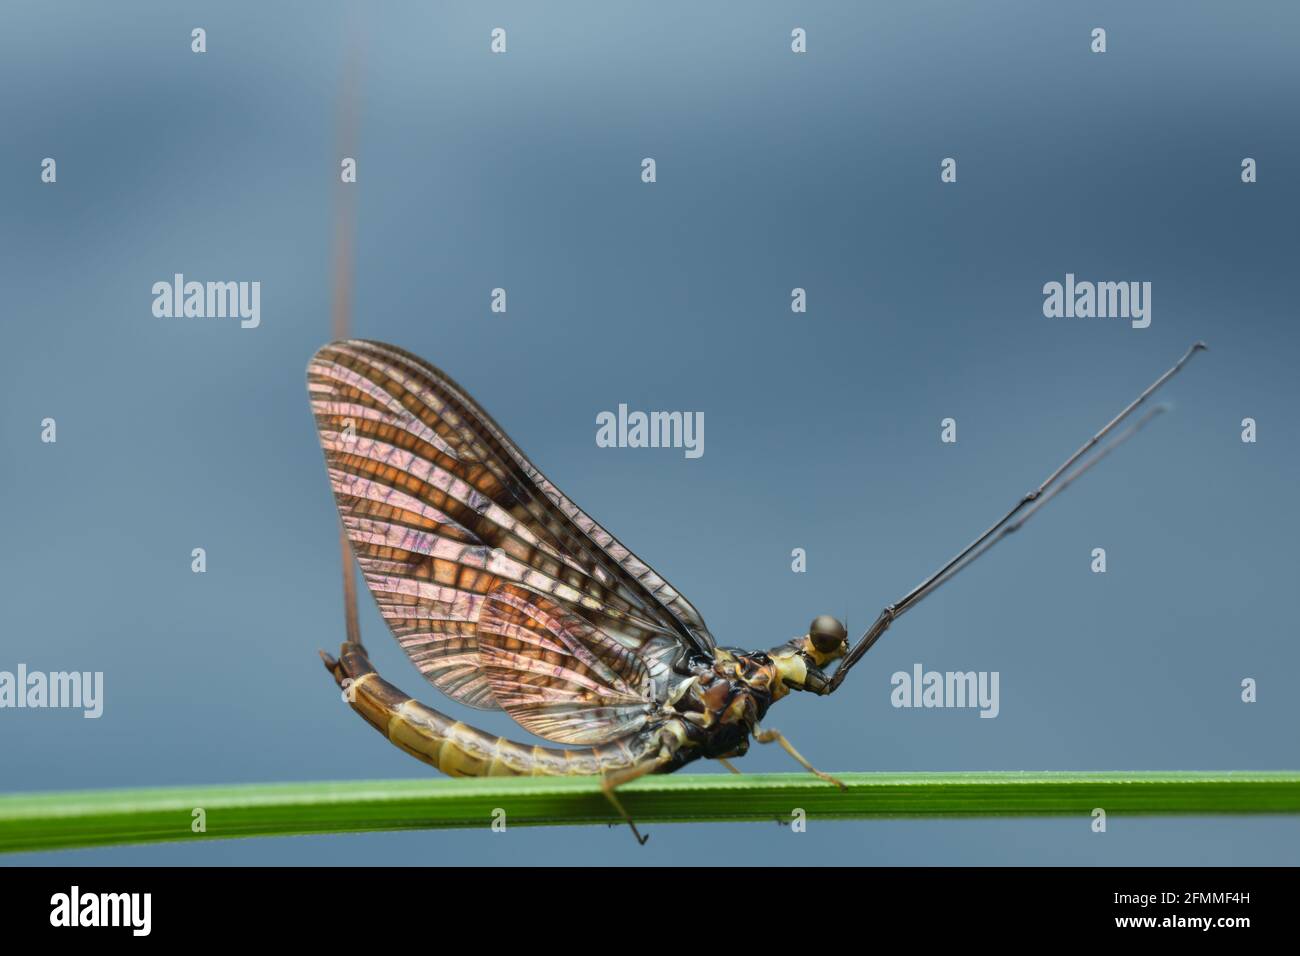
{"x":800,"y":662}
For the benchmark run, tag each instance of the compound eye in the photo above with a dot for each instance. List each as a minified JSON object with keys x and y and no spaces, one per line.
{"x":826,"y":633}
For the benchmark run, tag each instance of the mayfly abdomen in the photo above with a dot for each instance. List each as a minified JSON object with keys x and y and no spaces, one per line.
{"x":456,"y":748}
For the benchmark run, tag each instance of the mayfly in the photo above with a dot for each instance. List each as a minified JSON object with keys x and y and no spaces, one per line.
{"x":508,"y":596}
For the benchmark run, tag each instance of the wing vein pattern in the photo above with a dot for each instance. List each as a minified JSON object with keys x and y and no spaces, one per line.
{"x":499,"y":588}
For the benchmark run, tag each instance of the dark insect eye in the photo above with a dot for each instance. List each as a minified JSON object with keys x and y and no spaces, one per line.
{"x":826,"y":633}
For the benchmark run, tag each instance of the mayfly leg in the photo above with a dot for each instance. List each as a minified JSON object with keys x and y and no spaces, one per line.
{"x":610,"y":781}
{"x":776,"y":737}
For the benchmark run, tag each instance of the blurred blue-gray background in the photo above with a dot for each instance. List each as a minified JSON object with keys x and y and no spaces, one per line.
{"x":775,"y":171}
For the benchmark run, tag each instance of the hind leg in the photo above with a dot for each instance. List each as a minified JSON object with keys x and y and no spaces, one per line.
{"x":616,"y":778}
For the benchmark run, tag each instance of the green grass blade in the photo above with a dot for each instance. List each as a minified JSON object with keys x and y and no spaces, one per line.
{"x":48,"y":821}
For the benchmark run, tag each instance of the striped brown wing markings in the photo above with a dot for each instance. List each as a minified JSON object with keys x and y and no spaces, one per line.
{"x":407,"y":534}
{"x":482,"y":439}
{"x":441,"y":510}
{"x":558,"y":676}
{"x":528,"y":539}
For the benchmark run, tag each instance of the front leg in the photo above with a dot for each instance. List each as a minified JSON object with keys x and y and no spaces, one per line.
{"x":873,"y":634}
{"x":815,"y":680}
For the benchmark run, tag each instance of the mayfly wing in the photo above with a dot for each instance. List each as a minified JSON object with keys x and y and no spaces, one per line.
{"x":558,"y":675}
{"x":455,"y":530}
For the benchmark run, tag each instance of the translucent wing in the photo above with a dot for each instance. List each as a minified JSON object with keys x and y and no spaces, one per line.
{"x":558,"y":676}
{"x":445,"y":513}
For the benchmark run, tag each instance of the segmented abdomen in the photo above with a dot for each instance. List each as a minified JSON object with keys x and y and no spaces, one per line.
{"x":459,"y":750}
